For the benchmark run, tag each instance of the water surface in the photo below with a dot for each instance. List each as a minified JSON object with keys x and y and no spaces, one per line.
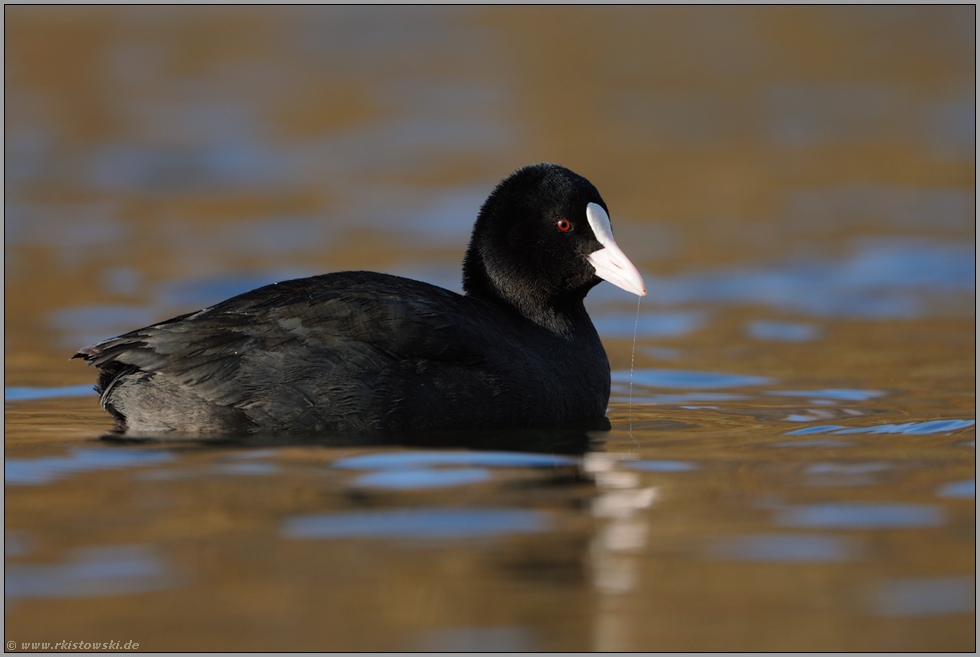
{"x":791,"y":461}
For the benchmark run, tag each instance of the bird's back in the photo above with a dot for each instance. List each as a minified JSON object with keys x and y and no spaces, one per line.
{"x":349,"y":351}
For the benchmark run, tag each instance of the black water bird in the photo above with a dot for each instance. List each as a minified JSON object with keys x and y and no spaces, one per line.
{"x":362,"y":351}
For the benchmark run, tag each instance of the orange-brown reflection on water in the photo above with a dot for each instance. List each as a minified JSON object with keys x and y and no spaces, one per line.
{"x":795,"y":184}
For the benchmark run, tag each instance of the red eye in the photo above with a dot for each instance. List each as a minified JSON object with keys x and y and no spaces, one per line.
{"x":564,"y":225}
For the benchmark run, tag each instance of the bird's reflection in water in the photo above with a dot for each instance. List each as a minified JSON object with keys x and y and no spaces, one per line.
{"x":572,"y":440}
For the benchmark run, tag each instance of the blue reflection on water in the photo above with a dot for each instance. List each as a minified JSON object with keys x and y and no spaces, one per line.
{"x":201,"y":292}
{"x":966,"y":488}
{"x":883,"y":279}
{"x":784,"y":547}
{"x":649,"y":325}
{"x":435,"y":217}
{"x":28,"y":472}
{"x":417,"y":523}
{"x":621,"y":394}
{"x":655,"y":378}
{"x":813,"y":443}
{"x":855,"y":515}
{"x":486,"y":459}
{"x":74,"y":228}
{"x":834,"y":393}
{"x":445,"y":275}
{"x":815,"y":415}
{"x":933,"y":426}
{"x":644,"y":379}
{"x":421,"y":478}
{"x":122,"y":279}
{"x":103,"y":320}
{"x":27,"y":151}
{"x":925,"y":596}
{"x":951,"y":128}
{"x":245,"y":468}
{"x":24,"y":394}
{"x":16,"y":543}
{"x":110,"y":570}
{"x":845,"y":468}
{"x":664,"y":353}
{"x":783,"y":331}
{"x":270,"y":234}
{"x":82,"y":325}
{"x":126,"y":167}
{"x":807,"y":430}
{"x":659,"y":466}
{"x":939,"y":426}
{"x":251,"y":455}
{"x":843,"y":474}
{"x":413,"y":470}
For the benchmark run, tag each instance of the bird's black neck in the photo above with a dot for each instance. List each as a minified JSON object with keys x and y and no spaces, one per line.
{"x":558,"y":311}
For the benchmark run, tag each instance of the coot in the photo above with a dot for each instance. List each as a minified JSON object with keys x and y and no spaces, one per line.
{"x":361,"y":351}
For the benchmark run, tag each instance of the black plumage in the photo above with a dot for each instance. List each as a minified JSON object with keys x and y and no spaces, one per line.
{"x":362,"y":351}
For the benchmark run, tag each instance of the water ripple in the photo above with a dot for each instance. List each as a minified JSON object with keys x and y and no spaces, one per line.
{"x":933,"y":426}
{"x":783,"y":331}
{"x":900,"y":278}
{"x":657,"y":378}
{"x":833,"y":393}
{"x":856,"y":515}
{"x":925,"y":596}
{"x":486,"y":459}
{"x":660,"y":466}
{"x":95,"y":571}
{"x":44,"y":470}
{"x":26,"y":394}
{"x":648,"y":325}
{"x":442,"y":523}
{"x":965,"y":489}
{"x":784,"y":548}
{"x":422,"y":478}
